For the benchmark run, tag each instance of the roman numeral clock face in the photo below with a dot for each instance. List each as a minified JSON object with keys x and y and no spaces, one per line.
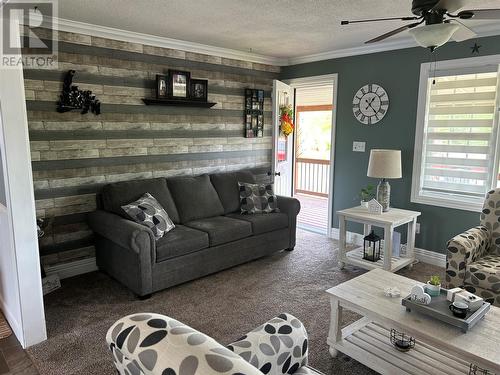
{"x":370,"y":104}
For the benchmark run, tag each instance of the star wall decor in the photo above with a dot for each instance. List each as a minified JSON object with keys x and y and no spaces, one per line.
{"x":475,"y":48}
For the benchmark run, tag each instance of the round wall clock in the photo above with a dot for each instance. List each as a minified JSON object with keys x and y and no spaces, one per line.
{"x":370,"y":104}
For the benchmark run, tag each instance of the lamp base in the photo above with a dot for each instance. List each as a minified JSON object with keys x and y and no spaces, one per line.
{"x":384,"y":194}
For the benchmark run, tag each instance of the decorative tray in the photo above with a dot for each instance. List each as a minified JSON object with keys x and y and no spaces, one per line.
{"x":439,"y":309}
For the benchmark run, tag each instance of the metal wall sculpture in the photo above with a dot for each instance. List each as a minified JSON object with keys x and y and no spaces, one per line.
{"x":72,"y":98}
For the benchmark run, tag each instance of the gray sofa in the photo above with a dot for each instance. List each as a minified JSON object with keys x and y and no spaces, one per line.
{"x":210,"y":233}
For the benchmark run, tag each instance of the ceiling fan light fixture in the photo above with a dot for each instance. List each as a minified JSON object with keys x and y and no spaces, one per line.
{"x":433,"y":36}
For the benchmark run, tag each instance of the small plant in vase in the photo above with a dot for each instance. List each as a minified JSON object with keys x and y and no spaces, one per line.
{"x":434,"y":286}
{"x":366,"y":194}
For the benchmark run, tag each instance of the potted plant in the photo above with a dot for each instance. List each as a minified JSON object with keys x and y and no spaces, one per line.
{"x":366,"y":194}
{"x":434,"y":286}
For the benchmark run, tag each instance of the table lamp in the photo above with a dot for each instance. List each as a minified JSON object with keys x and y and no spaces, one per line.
{"x":384,"y":164}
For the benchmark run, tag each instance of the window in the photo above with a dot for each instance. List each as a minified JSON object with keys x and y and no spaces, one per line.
{"x":313,"y":132}
{"x":456,"y":142}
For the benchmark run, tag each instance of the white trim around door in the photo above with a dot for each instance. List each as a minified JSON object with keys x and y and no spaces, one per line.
{"x":327,"y":79}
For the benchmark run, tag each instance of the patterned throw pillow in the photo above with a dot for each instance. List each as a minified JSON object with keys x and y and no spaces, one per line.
{"x":148,"y":212}
{"x":257,"y":198}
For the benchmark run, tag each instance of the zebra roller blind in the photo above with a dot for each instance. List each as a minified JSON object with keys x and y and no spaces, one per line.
{"x":460,"y":135}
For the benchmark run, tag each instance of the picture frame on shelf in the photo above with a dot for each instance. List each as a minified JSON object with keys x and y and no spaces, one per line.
{"x":198,"y":89}
{"x":161,"y":86}
{"x":178,"y":84}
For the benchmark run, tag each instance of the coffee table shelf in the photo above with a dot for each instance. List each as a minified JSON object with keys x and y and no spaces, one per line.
{"x":369,"y":343}
{"x":355,"y":257}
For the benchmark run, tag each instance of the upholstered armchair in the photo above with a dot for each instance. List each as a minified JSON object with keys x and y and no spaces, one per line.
{"x":473,"y":257}
{"x":155,"y":344}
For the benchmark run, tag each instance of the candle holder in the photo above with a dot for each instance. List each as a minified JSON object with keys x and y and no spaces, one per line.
{"x":402,"y":341}
{"x":476,"y":370}
{"x":371,"y":247}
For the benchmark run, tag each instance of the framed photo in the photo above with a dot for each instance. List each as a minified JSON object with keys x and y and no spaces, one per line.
{"x":161,"y":87}
{"x":178,"y":84}
{"x":199,"y":89}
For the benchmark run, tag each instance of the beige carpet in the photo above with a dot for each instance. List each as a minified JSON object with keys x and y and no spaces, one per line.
{"x":224,"y":305}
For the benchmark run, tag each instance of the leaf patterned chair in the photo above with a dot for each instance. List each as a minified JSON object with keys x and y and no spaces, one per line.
{"x":148,"y":343}
{"x":473,"y":257}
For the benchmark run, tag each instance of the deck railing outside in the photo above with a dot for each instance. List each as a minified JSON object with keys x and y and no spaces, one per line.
{"x":312,"y":176}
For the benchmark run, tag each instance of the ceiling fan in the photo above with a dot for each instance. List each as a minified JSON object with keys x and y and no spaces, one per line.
{"x":439,"y":21}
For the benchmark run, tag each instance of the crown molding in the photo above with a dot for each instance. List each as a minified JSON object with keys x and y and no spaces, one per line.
{"x":354,"y":51}
{"x":158,"y":41}
{"x":401,"y":43}
{"x":164,"y":42}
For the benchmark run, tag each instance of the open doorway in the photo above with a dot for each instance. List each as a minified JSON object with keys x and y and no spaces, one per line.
{"x":303,"y":162}
{"x":313,"y":150}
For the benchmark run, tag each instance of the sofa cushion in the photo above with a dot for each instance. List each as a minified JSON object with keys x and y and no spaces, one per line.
{"x":226,"y":185}
{"x":484,"y":273}
{"x":195,"y":197}
{"x":118,"y":194}
{"x":148,"y":212}
{"x":222,"y":229}
{"x":257,"y":198}
{"x":180,"y":241}
{"x":263,"y":223}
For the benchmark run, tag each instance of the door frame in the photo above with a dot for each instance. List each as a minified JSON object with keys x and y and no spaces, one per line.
{"x":313,"y":81}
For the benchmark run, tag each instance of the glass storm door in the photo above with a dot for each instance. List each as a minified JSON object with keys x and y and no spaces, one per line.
{"x":282,"y":163}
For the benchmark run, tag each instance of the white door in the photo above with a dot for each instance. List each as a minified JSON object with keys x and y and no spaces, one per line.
{"x":282,"y":163}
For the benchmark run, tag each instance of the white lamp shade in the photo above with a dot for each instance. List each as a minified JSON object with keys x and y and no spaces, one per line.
{"x":433,"y":35}
{"x":384,"y":164}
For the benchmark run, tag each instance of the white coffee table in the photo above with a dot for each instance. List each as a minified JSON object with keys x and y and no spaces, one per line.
{"x":439,"y":349}
{"x":390,"y":220}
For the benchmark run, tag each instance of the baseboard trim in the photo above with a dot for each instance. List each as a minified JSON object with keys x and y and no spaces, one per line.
{"x":430,"y":257}
{"x":423,"y":255}
{"x":70,"y":269}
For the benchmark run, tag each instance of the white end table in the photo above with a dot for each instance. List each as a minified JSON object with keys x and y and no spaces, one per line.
{"x":395,"y":217}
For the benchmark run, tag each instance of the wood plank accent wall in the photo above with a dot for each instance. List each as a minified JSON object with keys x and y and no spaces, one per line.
{"x":74,"y":155}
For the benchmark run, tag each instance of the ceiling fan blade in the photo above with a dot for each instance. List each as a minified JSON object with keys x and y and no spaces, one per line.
{"x":480,"y":14}
{"x":393,"y":32}
{"x":463,"y":33}
{"x":450,"y":6}
{"x":411,"y":18}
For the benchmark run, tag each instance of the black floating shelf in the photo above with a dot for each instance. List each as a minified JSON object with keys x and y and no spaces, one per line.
{"x":179,"y":102}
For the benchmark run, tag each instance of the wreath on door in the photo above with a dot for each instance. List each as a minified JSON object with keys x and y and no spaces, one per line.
{"x":286,"y":120}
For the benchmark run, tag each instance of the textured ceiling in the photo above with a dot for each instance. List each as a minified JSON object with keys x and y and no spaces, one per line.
{"x":279,"y":28}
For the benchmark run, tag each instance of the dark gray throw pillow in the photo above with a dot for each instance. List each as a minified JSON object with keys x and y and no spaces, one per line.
{"x":148,"y":212}
{"x":257,"y":198}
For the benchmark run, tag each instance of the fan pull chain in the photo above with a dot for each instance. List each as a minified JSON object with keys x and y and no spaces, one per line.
{"x":433,"y":66}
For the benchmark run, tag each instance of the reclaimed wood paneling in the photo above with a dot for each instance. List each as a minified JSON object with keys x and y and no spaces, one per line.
{"x":74,"y":155}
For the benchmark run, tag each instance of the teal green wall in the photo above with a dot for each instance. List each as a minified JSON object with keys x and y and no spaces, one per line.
{"x":398,"y":72}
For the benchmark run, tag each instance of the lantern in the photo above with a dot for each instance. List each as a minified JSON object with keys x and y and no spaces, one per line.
{"x":371,"y":247}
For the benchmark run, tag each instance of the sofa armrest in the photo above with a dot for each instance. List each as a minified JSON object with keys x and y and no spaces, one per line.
{"x":465,"y":248}
{"x":123,"y":232}
{"x":288,"y":205}
{"x":149,"y":343}
{"x":277,"y":347}
{"x":291,"y":207}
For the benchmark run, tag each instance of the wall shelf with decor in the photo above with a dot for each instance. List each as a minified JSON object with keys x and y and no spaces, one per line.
{"x":178,"y":102}
{"x":179,"y":89}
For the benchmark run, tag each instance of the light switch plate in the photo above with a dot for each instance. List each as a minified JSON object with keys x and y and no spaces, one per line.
{"x":358,"y":146}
